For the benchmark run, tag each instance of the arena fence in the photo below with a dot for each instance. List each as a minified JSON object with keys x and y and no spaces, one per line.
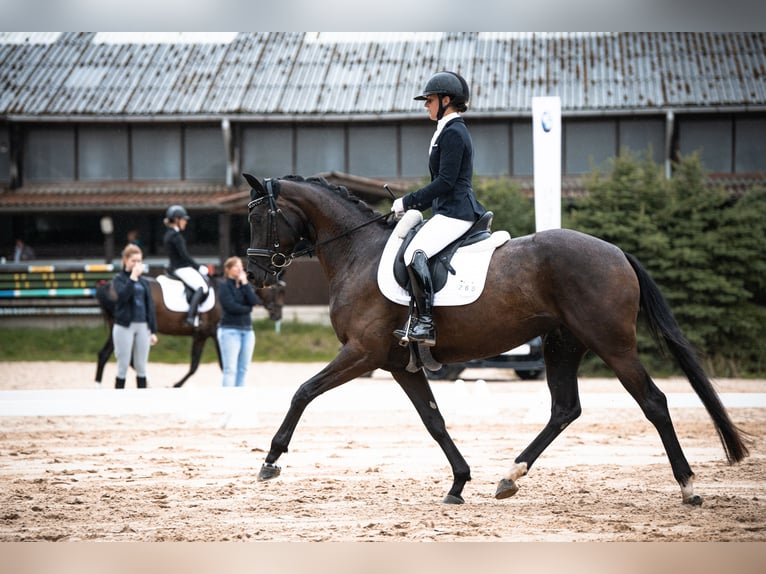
{"x":61,"y":289}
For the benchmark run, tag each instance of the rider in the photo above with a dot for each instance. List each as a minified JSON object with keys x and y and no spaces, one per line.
{"x":181,"y":263}
{"x":449,"y":194}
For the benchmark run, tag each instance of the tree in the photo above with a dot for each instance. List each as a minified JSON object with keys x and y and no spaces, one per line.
{"x":513,"y":211}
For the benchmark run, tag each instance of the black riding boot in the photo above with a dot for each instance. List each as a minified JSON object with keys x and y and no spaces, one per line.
{"x":191,"y":317}
{"x":119,"y":383}
{"x":141,"y":382}
{"x":422,"y":329}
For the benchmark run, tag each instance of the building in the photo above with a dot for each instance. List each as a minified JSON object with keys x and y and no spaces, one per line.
{"x":114,"y":127}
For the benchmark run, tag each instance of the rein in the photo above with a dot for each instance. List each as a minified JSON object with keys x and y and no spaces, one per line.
{"x":278,"y":260}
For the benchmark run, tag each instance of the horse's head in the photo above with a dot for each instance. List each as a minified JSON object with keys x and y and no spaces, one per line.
{"x":273,"y":299}
{"x":273,"y":236}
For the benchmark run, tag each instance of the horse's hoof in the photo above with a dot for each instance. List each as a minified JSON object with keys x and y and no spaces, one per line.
{"x":268,"y":471}
{"x":506,"y":488}
{"x":452,"y":499}
{"x":695,"y":500}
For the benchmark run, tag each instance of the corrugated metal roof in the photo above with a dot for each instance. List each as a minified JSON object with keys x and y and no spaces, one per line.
{"x":289,"y":74}
{"x":121,"y":196}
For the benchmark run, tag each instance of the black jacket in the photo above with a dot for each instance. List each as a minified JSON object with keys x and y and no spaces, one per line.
{"x":175,"y":246}
{"x":236,"y":303}
{"x":123,"y":309}
{"x":451,"y":165}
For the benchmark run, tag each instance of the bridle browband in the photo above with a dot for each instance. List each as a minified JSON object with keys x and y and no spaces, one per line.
{"x":277,"y":260}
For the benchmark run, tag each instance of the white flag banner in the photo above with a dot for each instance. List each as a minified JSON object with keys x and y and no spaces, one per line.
{"x":546,"y":141}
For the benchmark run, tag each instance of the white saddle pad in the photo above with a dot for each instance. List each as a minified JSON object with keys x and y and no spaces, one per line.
{"x":174,"y":296}
{"x":470,"y":263}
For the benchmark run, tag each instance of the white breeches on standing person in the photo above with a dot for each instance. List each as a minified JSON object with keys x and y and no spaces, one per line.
{"x":192,"y":278}
{"x":435,"y":235}
{"x":132,"y":341}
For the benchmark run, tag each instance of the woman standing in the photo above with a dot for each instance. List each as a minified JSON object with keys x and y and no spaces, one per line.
{"x":236,"y":337}
{"x":135,"y":323}
{"x":450,"y":195}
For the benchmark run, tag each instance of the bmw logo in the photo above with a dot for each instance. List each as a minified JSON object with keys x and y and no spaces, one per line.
{"x":547,"y":122}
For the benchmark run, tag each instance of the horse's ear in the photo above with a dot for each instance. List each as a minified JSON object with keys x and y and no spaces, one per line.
{"x":254,"y":183}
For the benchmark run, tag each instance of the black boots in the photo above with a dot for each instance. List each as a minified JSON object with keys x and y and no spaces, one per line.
{"x":421,"y":326}
{"x":191,"y":317}
{"x":120,"y":383}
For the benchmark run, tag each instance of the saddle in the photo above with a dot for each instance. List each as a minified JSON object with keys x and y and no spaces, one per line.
{"x":176,"y":294}
{"x":440,"y":264}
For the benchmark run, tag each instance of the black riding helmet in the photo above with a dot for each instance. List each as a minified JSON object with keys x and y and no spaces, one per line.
{"x":447,"y":84}
{"x":176,"y":212}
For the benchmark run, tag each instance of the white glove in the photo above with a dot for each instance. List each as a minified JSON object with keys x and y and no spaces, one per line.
{"x":203,"y":270}
{"x":398,"y":207}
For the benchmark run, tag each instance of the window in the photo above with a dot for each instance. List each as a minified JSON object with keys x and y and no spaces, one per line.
{"x":156,"y":152}
{"x":320,"y":149}
{"x":204,"y":153}
{"x":102,"y":152}
{"x":587,"y":144}
{"x":490,"y":148}
{"x":711,"y":137}
{"x":267,"y":151}
{"x":372,"y":151}
{"x":415,"y":139}
{"x":523,"y":149}
{"x":750,"y":145}
{"x":639,"y":135}
{"x":49,"y":153}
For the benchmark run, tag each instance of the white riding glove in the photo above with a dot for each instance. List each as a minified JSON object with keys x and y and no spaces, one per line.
{"x":398,"y":207}
{"x":203,"y":270}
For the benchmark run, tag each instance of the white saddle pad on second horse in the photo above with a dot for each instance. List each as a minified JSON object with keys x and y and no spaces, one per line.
{"x":470,"y":263}
{"x":174,"y":296}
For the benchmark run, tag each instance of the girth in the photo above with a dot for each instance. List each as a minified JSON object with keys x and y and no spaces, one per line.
{"x":439,"y":265}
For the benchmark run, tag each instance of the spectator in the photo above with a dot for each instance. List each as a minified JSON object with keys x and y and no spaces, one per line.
{"x":133,"y":238}
{"x":236,"y":337}
{"x":22,"y":252}
{"x":135,"y":322}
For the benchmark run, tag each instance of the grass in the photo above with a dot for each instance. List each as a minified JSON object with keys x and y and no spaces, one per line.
{"x":297,"y":342}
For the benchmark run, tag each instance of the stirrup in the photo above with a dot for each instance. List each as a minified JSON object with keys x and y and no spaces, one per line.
{"x":426,"y":339}
{"x":402,"y":334}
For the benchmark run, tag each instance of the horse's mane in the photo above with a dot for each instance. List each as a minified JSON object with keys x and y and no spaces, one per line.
{"x":340,"y":190}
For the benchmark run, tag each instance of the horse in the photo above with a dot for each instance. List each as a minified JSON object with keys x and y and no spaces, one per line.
{"x":576,"y":291}
{"x":173,"y":322}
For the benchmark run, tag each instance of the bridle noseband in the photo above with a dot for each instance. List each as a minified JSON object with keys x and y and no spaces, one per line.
{"x":277,"y":260}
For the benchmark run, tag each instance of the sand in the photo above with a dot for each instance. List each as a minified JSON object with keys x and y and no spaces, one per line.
{"x":82,"y":462}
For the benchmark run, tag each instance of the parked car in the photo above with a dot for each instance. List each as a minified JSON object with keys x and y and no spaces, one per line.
{"x":526,"y":360}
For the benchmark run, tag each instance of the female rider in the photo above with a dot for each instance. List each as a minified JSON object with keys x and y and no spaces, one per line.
{"x":449,"y":194}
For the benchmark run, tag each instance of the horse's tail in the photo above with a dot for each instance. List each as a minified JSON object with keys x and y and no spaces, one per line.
{"x":104,"y":300}
{"x":664,"y":328}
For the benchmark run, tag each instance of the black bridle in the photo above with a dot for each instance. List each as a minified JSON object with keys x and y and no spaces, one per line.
{"x":277,"y":260}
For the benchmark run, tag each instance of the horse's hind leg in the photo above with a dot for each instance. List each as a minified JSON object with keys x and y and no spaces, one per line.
{"x":416,"y":386}
{"x":103,"y":356}
{"x":563,"y":353}
{"x":654,"y":405}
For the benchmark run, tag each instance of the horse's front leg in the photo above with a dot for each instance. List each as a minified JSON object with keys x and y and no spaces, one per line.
{"x":419,"y":391}
{"x":348,"y":365}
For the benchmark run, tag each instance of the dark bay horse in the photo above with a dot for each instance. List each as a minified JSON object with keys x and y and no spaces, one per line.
{"x":576,"y":291}
{"x":173,"y":322}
